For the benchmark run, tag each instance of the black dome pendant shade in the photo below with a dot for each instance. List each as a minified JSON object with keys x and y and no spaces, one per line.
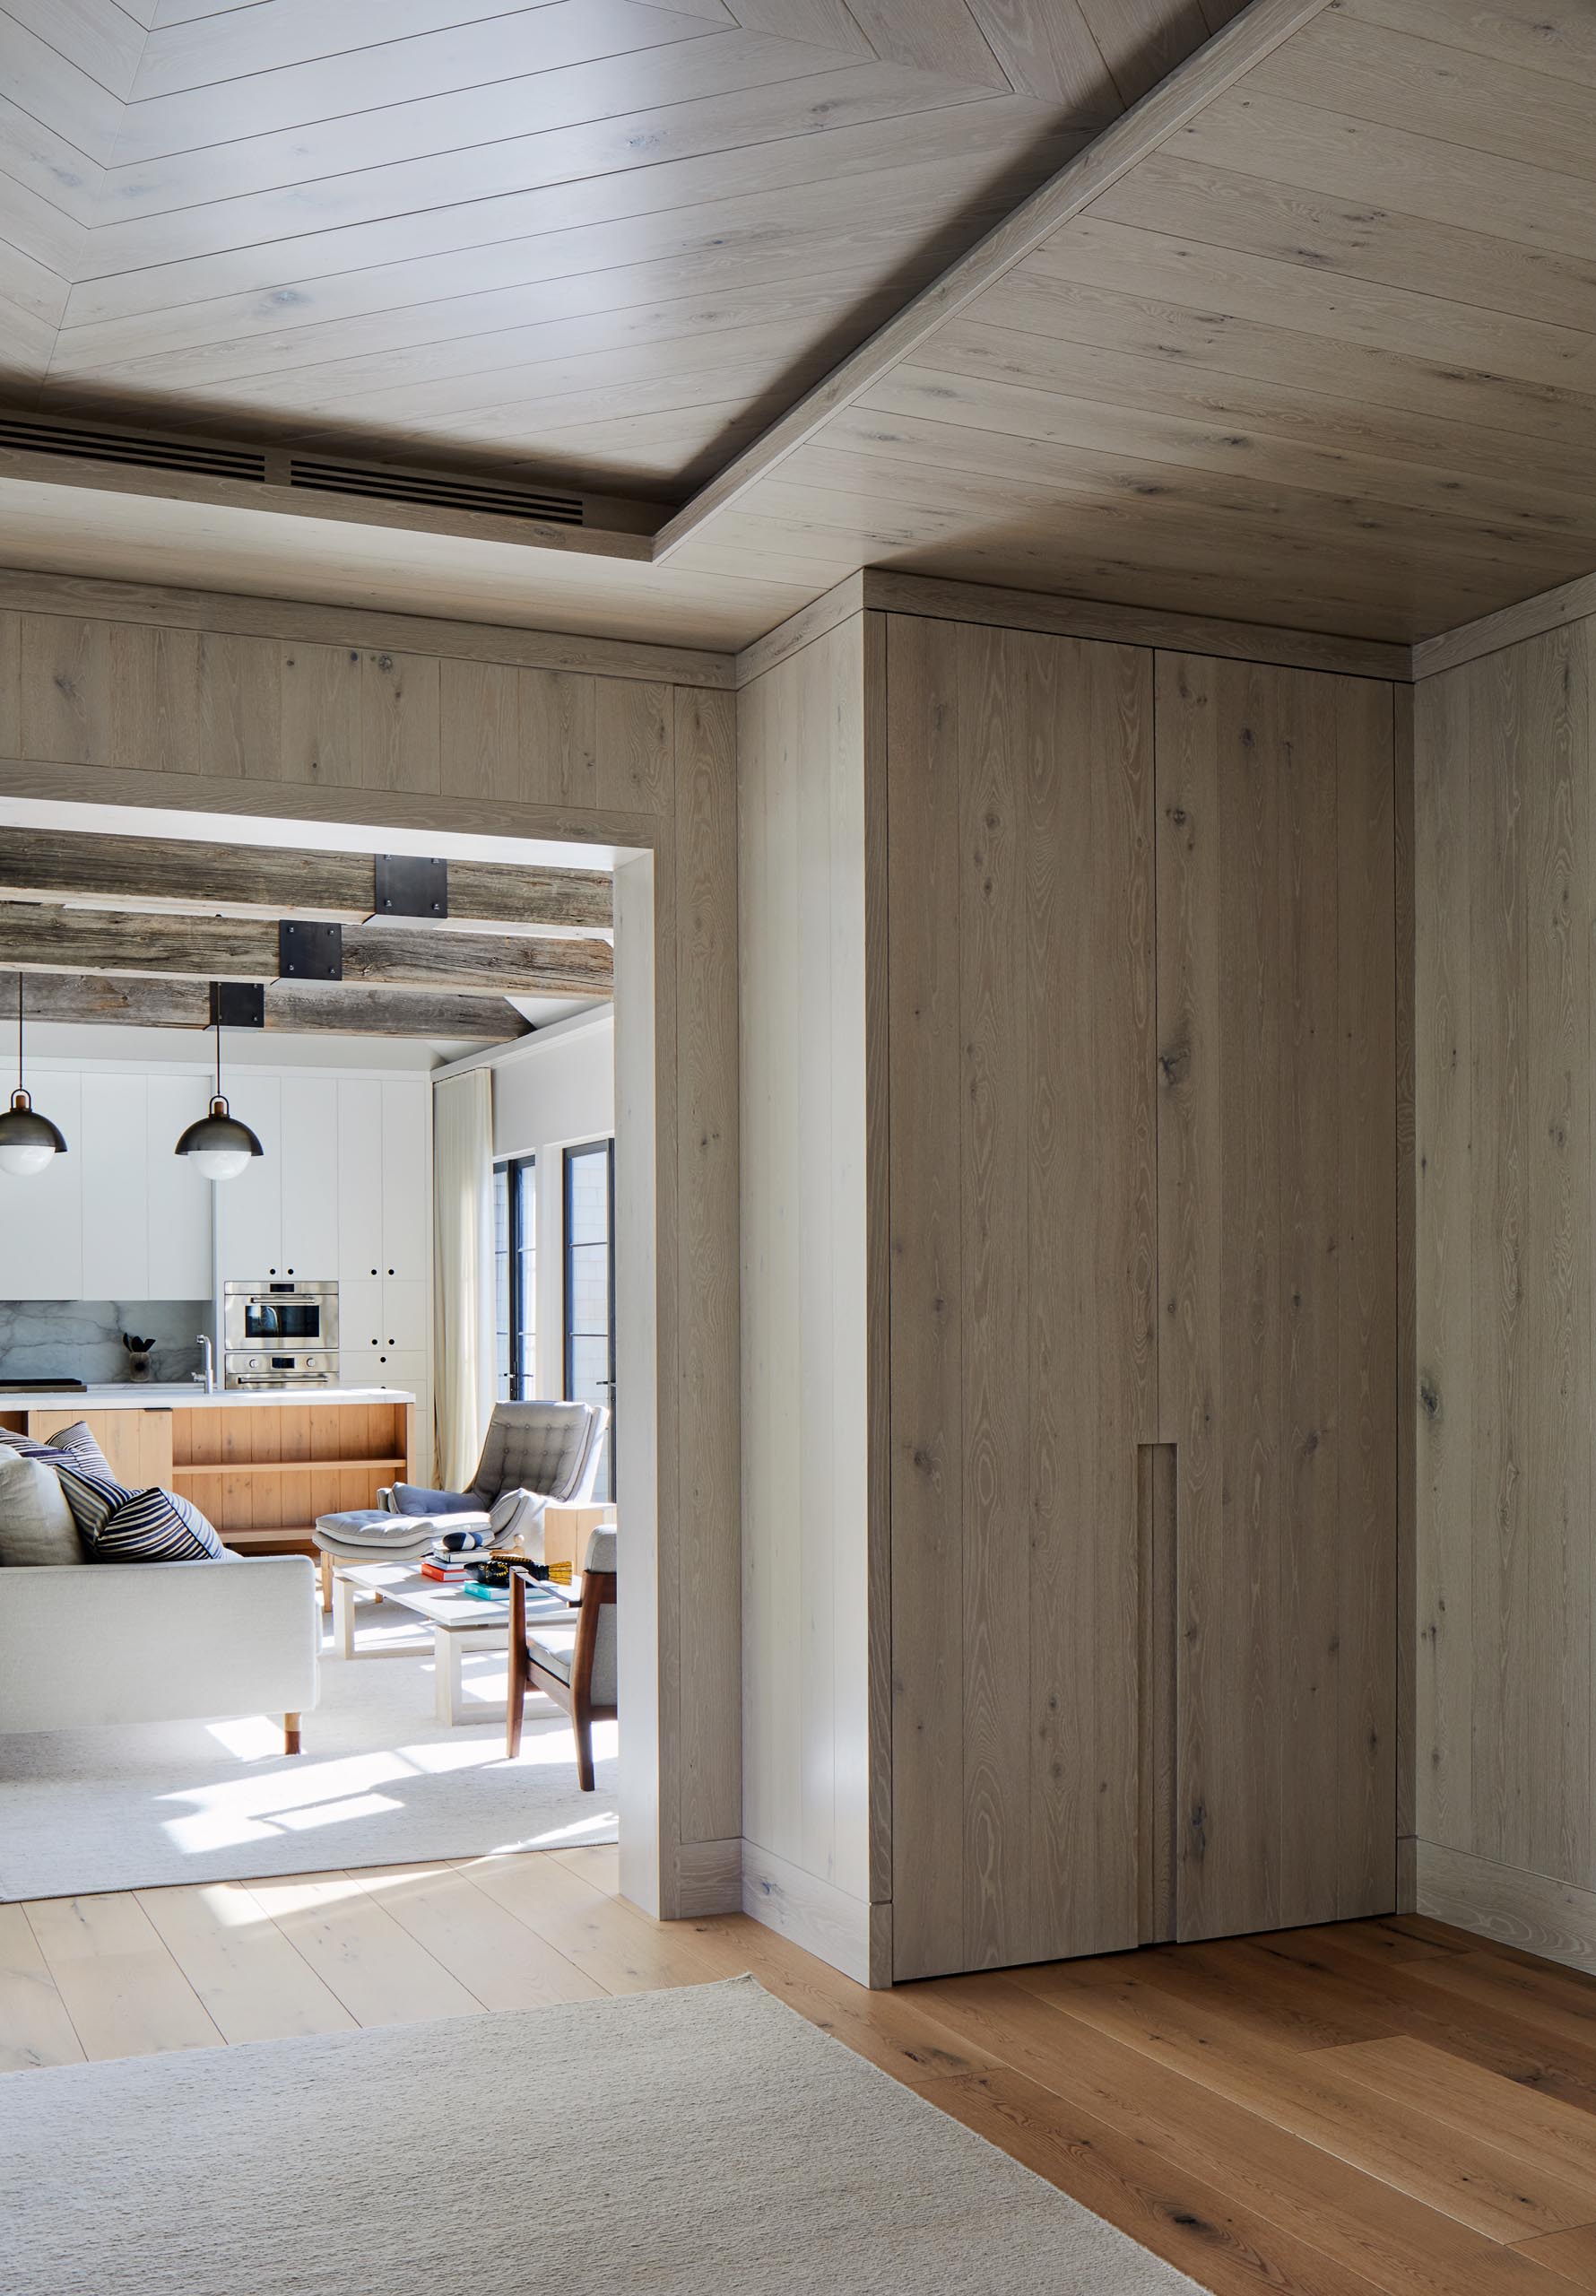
{"x":219,"y":1142}
{"x":27,"y":1140}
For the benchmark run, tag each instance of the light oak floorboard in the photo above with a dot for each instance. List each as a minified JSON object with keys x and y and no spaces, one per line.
{"x":118,"y":1981}
{"x":34,"y":2026}
{"x":1319,"y":2112}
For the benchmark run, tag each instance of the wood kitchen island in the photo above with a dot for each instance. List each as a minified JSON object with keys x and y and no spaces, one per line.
{"x":261,"y":1464}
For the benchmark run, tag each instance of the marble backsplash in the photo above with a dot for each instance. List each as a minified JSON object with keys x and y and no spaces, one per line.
{"x":82,"y":1339}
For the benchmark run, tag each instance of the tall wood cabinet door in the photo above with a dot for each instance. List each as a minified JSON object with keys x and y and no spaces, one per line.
{"x":1276,"y":1242}
{"x":406,"y":1180}
{"x":116,"y":1233}
{"x":41,"y":1217}
{"x":1020,"y":834}
{"x":360,"y":1182}
{"x":251,"y":1206}
{"x":178,"y":1195}
{"x":309,"y":1163}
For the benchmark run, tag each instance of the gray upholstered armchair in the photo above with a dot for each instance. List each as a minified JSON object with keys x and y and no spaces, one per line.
{"x":536,"y":1452}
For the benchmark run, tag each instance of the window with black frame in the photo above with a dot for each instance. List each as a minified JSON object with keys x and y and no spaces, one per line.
{"x":590,"y":1289}
{"x":515,"y":1274}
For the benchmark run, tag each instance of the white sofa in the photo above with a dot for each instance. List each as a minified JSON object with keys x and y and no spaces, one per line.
{"x":109,"y":1642}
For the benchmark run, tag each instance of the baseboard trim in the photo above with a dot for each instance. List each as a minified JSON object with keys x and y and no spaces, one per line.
{"x":1554,"y":1919}
{"x":851,"y":1935}
{"x":708,"y":1878}
{"x":1407,"y":1874}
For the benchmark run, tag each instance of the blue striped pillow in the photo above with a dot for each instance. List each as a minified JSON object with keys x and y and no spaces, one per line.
{"x":154,"y":1526}
{"x":74,"y":1444}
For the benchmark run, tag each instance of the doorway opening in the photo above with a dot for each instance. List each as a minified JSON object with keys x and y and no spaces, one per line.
{"x":355,"y":1203}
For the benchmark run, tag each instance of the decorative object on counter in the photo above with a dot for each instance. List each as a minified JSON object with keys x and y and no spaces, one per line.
{"x":139,"y":1353}
{"x":220,"y":1145}
{"x":28,"y":1140}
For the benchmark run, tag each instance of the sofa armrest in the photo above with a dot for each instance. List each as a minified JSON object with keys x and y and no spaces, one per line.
{"x":86,"y":1644}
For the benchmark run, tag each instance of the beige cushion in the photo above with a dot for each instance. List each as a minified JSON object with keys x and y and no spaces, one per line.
{"x":555,"y":1647}
{"x":37,"y":1529}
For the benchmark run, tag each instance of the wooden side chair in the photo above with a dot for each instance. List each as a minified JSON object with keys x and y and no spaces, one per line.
{"x":573,"y":1664}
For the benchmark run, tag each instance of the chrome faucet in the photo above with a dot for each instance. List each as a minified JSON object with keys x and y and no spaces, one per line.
{"x":209,"y":1374}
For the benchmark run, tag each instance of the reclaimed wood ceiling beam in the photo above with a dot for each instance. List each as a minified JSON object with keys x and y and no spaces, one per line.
{"x":282,"y":882}
{"x":38,"y":938}
{"x":329,"y":1008}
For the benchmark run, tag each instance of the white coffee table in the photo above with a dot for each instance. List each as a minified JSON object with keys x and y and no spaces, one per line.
{"x":459,"y":1623}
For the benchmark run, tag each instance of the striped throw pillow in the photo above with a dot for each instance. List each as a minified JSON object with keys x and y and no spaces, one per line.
{"x":74,"y":1444}
{"x":154,"y":1526}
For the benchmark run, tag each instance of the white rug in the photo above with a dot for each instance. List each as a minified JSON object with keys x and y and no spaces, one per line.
{"x":379,"y":1783}
{"x":702,"y":2143}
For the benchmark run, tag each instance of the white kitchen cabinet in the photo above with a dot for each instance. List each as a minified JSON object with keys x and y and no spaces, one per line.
{"x":360,"y":1163}
{"x":115,"y":1145}
{"x":404,"y":1316}
{"x":359,"y":1326}
{"x":176,"y":1207}
{"x":252,"y":1203}
{"x":406,"y":1179}
{"x":397,"y":1367}
{"x":310,"y":1193}
{"x":41,"y":1217}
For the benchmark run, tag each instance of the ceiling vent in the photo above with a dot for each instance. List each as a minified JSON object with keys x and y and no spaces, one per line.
{"x":83,"y":442}
{"x":434,"y":491}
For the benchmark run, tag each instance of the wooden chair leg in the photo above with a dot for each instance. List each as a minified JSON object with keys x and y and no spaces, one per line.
{"x":326,"y":1583}
{"x":290,"y":1734}
{"x":515,"y":1699}
{"x":581,"y":1723}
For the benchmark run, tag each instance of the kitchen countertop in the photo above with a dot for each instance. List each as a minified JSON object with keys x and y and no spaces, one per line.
{"x":125,"y":1396}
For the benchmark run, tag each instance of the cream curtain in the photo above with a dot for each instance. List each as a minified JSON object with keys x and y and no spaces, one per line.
{"x":463,"y":1263}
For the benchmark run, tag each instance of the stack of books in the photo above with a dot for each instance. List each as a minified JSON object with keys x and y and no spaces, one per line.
{"x":443,"y":1566}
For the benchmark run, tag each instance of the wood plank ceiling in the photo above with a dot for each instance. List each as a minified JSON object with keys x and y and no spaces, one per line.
{"x":1323,"y":349}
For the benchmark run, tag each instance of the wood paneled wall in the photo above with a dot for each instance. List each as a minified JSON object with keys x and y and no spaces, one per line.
{"x":1021,"y":905}
{"x":1094,"y":946}
{"x":806,"y":1246}
{"x":1277,"y":1249}
{"x":1505,"y":1004}
{"x":121,"y":695}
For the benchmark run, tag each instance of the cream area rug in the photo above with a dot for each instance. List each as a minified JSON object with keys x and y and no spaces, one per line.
{"x":703,"y":2142}
{"x":379,"y":1783}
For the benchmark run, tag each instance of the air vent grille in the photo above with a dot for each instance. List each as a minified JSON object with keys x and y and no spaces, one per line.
{"x":375,"y":484}
{"x":191,"y":454}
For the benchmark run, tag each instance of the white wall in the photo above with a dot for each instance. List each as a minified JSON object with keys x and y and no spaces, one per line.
{"x":551,"y":1091}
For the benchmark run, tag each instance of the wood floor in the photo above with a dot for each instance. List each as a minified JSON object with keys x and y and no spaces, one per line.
{"x":1379,"y":2105}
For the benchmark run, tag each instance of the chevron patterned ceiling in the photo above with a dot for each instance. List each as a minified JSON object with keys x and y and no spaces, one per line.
{"x":603,"y":240}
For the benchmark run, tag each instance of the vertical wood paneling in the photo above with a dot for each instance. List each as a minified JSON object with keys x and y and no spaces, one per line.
{"x":240,"y":706}
{"x":925,"y":893}
{"x":995,"y":1027}
{"x":133,"y":685}
{"x":1190,"y":1167}
{"x":1444,"y":837}
{"x":1407,"y":1259}
{"x":1497,"y":1406}
{"x":400,"y":732}
{"x":1505,"y":967}
{"x":1366,"y":1544}
{"x":1277,"y":1161}
{"x":706,"y":1149}
{"x":321,"y":715}
{"x":1023,"y":1255}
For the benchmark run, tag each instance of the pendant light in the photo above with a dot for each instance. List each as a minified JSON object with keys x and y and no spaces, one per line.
{"x":27,"y":1140}
{"x":219,"y":1144}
